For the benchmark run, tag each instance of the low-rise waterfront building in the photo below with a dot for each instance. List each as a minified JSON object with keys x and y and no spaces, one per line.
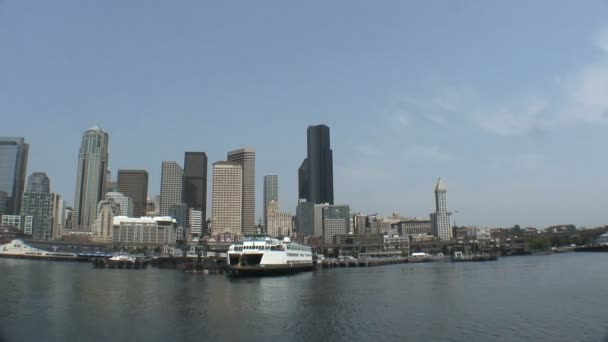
{"x":413,"y":226}
{"x":160,"y":230}
{"x":422,"y":237}
{"x":8,"y":233}
{"x":24,"y":223}
{"x":530,"y":231}
{"x":354,"y":244}
{"x":562,"y":228}
{"x":396,"y":242}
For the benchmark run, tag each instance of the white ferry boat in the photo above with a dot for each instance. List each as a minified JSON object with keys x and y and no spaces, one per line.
{"x":23,"y":250}
{"x":261,"y":255}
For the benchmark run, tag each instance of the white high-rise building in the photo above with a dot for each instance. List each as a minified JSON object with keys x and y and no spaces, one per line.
{"x":90,"y":177}
{"x":170,"y":186}
{"x":58,"y":216}
{"x":125,"y":203}
{"x":227,"y":198}
{"x":440,"y":220}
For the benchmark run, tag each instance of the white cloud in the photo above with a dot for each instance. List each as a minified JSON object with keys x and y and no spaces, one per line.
{"x":579,"y":98}
{"x":587,"y":94}
{"x":426,"y":153}
{"x":586,"y":90}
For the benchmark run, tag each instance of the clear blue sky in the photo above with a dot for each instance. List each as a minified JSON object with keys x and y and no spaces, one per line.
{"x":507,"y":101}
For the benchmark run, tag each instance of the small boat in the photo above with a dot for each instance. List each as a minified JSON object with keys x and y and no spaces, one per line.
{"x":419,"y":257}
{"x":122,"y":257}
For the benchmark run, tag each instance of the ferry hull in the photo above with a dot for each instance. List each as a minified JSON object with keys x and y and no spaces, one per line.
{"x":44,"y":257}
{"x":268,"y":270}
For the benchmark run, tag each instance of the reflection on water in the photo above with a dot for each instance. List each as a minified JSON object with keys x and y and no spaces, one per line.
{"x":553,"y":298}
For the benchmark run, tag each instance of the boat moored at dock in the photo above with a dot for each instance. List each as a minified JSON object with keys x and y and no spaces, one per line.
{"x":261,"y":255}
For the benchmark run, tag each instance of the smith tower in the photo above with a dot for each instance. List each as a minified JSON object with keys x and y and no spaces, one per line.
{"x":316,"y":175}
{"x":90,"y":177}
{"x":440,"y":219}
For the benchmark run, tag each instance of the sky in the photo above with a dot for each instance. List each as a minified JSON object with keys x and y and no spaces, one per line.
{"x":507,"y":101}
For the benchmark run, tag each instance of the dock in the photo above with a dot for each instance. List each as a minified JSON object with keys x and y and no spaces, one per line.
{"x":474,"y":257}
{"x":369,"y":262}
{"x":120,"y":264}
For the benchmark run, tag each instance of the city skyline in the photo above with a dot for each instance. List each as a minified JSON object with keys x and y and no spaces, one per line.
{"x":407,"y":101}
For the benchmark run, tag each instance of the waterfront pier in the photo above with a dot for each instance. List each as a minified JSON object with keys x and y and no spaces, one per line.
{"x":367,"y":262}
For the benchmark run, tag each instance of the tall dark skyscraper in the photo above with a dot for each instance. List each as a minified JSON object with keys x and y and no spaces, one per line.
{"x":134,"y":184}
{"x":194,"y":188}
{"x":316,"y":174}
{"x":13,"y":164}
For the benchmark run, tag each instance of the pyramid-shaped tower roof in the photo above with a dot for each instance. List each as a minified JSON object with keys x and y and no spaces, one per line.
{"x":441,"y":185}
{"x":95,"y":128}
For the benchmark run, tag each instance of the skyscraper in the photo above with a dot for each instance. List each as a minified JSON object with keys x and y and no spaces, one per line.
{"x":134,"y":184}
{"x":42,"y":205}
{"x":38,"y":182}
{"x":170,"y":186}
{"x":194,"y":192}
{"x":440,"y":219}
{"x":13,"y":165}
{"x":227,"y":198}
{"x":316,"y":176}
{"x":246,"y":158}
{"x":58,"y":217}
{"x":90,"y":177}
{"x":110,"y":185}
{"x":271,"y":193}
{"x":124,"y":203}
